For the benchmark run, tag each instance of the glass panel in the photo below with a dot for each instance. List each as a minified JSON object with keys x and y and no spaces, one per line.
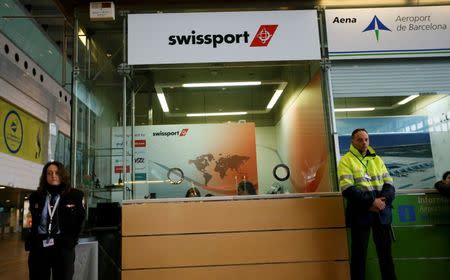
{"x":412,"y":138}
{"x":172,"y":151}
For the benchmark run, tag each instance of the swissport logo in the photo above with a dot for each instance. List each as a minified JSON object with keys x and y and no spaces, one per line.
{"x":184,"y":131}
{"x":264,"y":35}
{"x":261,"y":39}
{"x":181,"y":133}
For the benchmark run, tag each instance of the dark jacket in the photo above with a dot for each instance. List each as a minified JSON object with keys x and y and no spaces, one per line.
{"x":359,"y":202}
{"x":443,"y":188}
{"x":69,"y":219}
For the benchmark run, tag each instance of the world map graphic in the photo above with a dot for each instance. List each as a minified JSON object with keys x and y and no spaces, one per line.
{"x":223,"y":164}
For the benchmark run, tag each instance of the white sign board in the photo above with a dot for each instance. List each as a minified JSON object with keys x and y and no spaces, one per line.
{"x":388,"y":32}
{"x":222,"y":37}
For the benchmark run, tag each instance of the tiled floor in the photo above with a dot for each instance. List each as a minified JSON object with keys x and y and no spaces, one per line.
{"x":13,"y":258}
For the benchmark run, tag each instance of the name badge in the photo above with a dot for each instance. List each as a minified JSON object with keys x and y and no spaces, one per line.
{"x":48,"y":242}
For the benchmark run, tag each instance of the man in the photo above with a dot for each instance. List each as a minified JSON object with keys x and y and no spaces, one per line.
{"x":367,"y":186}
{"x":443,"y":186}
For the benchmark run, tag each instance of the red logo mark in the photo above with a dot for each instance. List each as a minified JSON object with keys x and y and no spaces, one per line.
{"x":184,"y":131}
{"x":264,"y":35}
{"x":119,"y":168}
{"x":140,"y":143}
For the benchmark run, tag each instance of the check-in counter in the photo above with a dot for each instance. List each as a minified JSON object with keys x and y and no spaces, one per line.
{"x":248,"y":237}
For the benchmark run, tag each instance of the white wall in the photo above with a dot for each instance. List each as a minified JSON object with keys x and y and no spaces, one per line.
{"x":19,"y":173}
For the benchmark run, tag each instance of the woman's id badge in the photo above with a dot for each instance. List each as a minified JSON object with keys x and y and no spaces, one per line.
{"x":48,"y":242}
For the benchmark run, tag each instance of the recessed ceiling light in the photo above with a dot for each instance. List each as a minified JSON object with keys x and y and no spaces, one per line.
{"x":407,"y":99}
{"x":223,"y":84}
{"x":276,"y":95}
{"x":163,"y":102}
{"x":354,"y":109}
{"x":216,"y":114}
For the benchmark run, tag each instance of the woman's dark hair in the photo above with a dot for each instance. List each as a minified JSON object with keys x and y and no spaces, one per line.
{"x":358,"y":130}
{"x":246,"y":187}
{"x":445,"y":175}
{"x":193,"y":192}
{"x":64,"y":177}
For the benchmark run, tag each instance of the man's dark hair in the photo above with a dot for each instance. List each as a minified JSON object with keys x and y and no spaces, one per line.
{"x":246,"y":187}
{"x":64,"y":176}
{"x":193,"y":192}
{"x":358,"y":130}
{"x":445,"y":175}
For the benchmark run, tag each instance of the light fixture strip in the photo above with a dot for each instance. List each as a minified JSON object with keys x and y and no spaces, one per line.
{"x":216,"y":114}
{"x":274,"y":98}
{"x":222,"y":84}
{"x":407,"y":99}
{"x":163,"y":102}
{"x":354,"y":109}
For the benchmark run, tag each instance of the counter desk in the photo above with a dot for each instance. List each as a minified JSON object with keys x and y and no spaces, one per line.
{"x":235,"y":237}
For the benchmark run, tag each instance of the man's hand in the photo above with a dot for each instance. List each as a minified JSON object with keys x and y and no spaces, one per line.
{"x":379,"y":203}
{"x":374,"y":209}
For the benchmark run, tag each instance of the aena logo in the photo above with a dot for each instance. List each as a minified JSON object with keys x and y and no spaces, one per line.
{"x":376,"y":25}
{"x":261,"y":39}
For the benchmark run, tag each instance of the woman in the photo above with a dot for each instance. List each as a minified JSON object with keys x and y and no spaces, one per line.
{"x":57,"y":215}
{"x":443,"y":186}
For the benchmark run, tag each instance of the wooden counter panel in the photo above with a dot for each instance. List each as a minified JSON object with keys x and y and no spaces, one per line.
{"x":234,"y":248}
{"x":234,"y":215}
{"x":289,"y":271}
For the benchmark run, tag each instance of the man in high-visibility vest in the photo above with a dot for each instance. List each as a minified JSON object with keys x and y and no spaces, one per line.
{"x":367,"y":186}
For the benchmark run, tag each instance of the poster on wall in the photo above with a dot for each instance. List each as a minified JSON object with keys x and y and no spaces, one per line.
{"x":21,"y":135}
{"x":388,"y":32}
{"x":212,"y":157}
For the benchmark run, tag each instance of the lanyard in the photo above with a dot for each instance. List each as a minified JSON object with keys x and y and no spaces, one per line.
{"x":365,"y":166}
{"x":51,"y":212}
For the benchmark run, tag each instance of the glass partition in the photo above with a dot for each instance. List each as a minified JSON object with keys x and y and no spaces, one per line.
{"x":409,"y":129}
{"x":220,"y":129}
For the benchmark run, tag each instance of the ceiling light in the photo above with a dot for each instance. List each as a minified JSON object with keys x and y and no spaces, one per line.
{"x":407,"y":99}
{"x":162,"y":101}
{"x":276,"y":95}
{"x":216,"y":114}
{"x":353,"y":109}
{"x":223,"y":84}
{"x":274,"y":98}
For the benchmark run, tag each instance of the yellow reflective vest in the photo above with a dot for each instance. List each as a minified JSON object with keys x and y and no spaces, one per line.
{"x":367,"y":173}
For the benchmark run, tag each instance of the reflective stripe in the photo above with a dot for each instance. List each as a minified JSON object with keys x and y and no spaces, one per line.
{"x":343,"y":177}
{"x":375,"y":178}
{"x":361,"y":179}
